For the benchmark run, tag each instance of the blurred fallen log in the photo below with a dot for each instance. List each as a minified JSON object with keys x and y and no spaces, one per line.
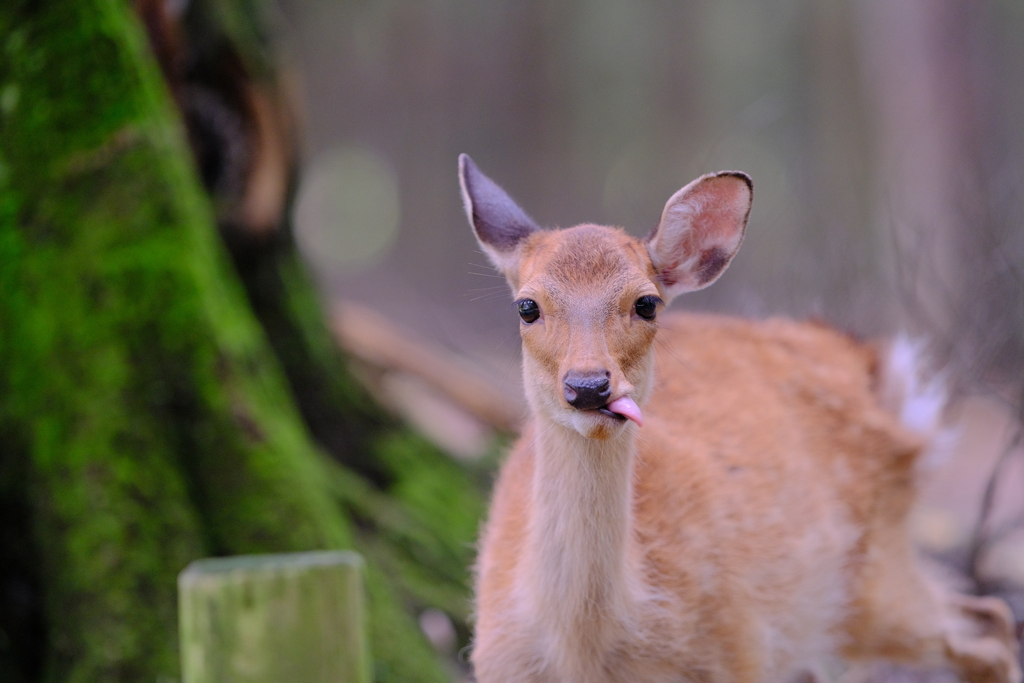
{"x":439,"y":392}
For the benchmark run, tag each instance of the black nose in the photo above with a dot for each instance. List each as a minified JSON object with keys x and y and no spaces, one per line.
{"x":587,"y":391}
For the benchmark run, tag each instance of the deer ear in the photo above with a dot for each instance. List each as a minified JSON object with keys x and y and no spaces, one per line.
{"x":701,"y":230}
{"x":498,"y":222}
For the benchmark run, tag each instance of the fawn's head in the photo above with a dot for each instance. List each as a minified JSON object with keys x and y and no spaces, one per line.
{"x":589,"y":296}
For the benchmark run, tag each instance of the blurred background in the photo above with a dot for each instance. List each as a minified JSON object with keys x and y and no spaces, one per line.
{"x":884,"y":140}
{"x":886,"y":145}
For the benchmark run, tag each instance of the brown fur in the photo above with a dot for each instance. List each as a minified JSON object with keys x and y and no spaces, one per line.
{"x":754,"y":529}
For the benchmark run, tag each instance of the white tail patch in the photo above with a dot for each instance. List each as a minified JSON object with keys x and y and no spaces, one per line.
{"x":918,"y":398}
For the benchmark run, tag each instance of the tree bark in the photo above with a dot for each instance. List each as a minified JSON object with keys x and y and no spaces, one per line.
{"x":145,"y":418}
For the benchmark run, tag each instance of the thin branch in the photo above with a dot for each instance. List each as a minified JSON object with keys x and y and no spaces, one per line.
{"x":981,"y":539}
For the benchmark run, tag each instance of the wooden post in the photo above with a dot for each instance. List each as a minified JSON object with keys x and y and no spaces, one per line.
{"x":288,"y":618}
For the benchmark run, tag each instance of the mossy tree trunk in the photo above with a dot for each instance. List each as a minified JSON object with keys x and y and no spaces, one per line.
{"x":147,"y":415}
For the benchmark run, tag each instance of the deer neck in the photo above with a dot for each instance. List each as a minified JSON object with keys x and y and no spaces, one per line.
{"x":581,"y":537}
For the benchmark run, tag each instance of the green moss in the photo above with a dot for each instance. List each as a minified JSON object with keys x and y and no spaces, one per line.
{"x":159,"y":427}
{"x":152,"y":419}
{"x":434,"y":486}
{"x":418,"y":540}
{"x":400,"y":653}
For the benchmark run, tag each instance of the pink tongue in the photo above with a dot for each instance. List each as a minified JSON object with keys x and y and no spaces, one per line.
{"x":627,"y":408}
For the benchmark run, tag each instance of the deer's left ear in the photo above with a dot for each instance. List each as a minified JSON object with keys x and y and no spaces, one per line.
{"x":701,"y":230}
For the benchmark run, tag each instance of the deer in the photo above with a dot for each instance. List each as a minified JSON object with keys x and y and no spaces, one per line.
{"x":696,"y":497}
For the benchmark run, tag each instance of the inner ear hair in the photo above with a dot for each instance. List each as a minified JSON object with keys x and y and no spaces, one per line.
{"x":496,"y":218}
{"x":701,"y":229}
{"x":499,"y":224}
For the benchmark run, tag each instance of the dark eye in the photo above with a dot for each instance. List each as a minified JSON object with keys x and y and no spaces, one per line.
{"x":647,"y":306}
{"x":529,"y":311}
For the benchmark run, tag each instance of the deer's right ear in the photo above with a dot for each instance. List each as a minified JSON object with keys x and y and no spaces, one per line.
{"x":498,"y":222}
